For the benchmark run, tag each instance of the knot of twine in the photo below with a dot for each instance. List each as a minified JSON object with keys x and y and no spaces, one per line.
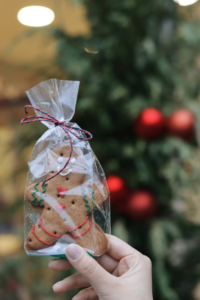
{"x":67,"y":129}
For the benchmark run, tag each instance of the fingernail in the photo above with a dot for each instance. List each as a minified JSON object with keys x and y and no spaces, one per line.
{"x":57,"y":285}
{"x":73,"y":252}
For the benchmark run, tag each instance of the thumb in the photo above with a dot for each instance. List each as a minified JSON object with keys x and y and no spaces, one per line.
{"x":88,"y":267}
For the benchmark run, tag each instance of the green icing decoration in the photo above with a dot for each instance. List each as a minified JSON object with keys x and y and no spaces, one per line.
{"x":41,"y":199}
{"x":33,"y":194}
{"x":35,"y":186}
{"x":36,"y":190}
{"x":93,"y":198}
{"x":43,"y":191}
{"x":86,"y":201}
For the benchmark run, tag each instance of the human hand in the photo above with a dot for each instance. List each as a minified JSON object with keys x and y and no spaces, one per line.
{"x":122,"y":273}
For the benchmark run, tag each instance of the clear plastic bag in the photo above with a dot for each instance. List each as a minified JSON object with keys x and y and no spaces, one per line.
{"x":63,"y":205}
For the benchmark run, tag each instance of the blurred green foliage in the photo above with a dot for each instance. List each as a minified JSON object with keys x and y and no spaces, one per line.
{"x":147,"y":57}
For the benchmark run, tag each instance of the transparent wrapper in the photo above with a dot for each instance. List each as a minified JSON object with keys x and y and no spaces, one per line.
{"x":73,"y":206}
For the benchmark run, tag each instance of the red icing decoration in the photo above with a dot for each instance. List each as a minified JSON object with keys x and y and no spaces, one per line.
{"x":33,"y":231}
{"x":75,"y":236}
{"x":61,"y":191}
{"x":59,"y":207}
{"x":79,"y":225}
{"x":58,"y":236}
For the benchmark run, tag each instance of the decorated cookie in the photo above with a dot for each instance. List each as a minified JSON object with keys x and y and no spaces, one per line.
{"x":66,"y":195}
{"x":66,"y":203}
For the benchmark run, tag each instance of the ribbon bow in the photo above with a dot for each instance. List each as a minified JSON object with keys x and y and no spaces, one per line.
{"x":67,"y":129}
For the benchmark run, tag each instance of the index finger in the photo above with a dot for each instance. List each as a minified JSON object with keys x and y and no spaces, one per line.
{"x":118,"y":249}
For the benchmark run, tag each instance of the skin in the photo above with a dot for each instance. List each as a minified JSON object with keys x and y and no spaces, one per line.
{"x":122,"y":273}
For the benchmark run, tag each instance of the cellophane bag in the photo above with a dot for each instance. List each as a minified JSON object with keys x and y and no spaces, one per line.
{"x":66,"y":197}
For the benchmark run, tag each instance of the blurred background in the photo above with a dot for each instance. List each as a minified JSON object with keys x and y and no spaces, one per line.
{"x":138,"y":63}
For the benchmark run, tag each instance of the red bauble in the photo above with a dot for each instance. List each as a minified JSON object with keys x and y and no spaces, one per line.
{"x":150,"y":124}
{"x":118,"y":192}
{"x":141,"y":205}
{"x":12,"y":285}
{"x":115,"y":184}
{"x":181,"y":124}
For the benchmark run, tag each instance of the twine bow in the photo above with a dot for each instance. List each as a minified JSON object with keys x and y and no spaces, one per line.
{"x":67,"y":129}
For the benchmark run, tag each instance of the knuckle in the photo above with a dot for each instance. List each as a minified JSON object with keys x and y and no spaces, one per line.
{"x":87,"y":294}
{"x":147,"y":260}
{"x":74,"y":282}
{"x":89,"y":268}
{"x":134,"y":259}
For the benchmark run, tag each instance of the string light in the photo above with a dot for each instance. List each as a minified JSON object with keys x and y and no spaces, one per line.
{"x":185,"y":2}
{"x":91,"y":51}
{"x":35,"y":16}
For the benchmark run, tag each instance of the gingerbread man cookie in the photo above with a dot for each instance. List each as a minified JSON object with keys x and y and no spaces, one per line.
{"x":66,"y":204}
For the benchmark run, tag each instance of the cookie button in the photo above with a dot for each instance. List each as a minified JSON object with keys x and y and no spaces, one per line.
{"x":60,"y":160}
{"x":73,"y":160}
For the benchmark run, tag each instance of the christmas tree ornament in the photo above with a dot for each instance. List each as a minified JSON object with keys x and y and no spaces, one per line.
{"x":141,"y":205}
{"x":117,"y":188}
{"x":150,"y":124}
{"x":115,"y":184}
{"x":12,"y":285}
{"x":119,"y":192}
{"x":181,"y":123}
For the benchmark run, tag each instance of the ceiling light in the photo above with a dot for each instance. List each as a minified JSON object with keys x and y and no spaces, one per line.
{"x":185,"y":2}
{"x":35,"y":16}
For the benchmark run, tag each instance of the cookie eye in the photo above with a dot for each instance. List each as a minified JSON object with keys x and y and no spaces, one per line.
{"x":52,"y":171}
{"x":30,"y":240}
{"x":61,"y":154}
{"x":49,"y":208}
{"x":73,"y":202}
{"x":58,"y":195}
{"x":55,"y":232}
{"x":67,"y":178}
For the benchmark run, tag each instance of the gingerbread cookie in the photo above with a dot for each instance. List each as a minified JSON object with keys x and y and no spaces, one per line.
{"x":66,"y":204}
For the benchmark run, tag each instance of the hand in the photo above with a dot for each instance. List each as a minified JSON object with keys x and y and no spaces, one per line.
{"x":122,"y":273}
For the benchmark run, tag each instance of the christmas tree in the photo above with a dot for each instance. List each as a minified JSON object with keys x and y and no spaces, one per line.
{"x":136,"y":58}
{"x":138,"y":69}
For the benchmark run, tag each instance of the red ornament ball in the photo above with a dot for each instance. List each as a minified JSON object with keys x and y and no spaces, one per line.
{"x":118,"y":192}
{"x":12,"y":285}
{"x":181,"y":123}
{"x":141,"y":205}
{"x":150,"y":124}
{"x":115,"y":184}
